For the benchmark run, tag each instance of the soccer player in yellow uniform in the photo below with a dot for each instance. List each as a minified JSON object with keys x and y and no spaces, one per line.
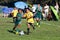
{"x":14,"y":13}
{"x":30,"y":21}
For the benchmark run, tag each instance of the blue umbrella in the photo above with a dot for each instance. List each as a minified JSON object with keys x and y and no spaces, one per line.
{"x":21,"y":5}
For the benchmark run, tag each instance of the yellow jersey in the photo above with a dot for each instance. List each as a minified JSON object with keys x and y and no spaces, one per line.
{"x":29,"y":17}
{"x":14,"y":13}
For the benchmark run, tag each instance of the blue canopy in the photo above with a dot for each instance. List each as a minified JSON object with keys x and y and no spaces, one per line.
{"x":21,"y":5}
{"x":10,"y":10}
{"x":5,"y":10}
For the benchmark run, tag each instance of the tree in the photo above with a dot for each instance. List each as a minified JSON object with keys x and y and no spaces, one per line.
{"x":29,"y":1}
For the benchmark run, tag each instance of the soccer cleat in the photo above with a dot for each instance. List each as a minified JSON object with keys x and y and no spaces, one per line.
{"x":37,"y":23}
{"x":27,"y":33}
{"x":17,"y":32}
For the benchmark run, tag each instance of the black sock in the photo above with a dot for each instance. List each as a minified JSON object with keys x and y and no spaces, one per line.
{"x":14,"y":28}
{"x":28,"y":29}
{"x":39,"y":23}
{"x":33,"y":26}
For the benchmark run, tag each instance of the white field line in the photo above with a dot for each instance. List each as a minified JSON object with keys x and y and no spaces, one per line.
{"x":50,"y":24}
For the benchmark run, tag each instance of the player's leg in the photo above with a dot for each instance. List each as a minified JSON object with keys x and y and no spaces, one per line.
{"x":16,"y":24}
{"x":19,"y":25}
{"x":32,"y":25}
{"x":17,"y":30}
{"x":15,"y":27}
{"x":4,"y":14}
{"x":14,"y":19}
{"x":37,"y":20}
{"x":28,"y":29}
{"x":39,"y":23}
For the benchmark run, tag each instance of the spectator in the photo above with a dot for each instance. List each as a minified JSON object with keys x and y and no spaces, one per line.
{"x":46,"y":9}
{"x":57,"y":7}
{"x":44,"y":16}
{"x":14,"y":13}
{"x":33,"y":9}
{"x":5,"y":12}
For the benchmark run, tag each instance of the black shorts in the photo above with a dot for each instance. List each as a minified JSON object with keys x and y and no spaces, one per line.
{"x":14,"y":19}
{"x":30,"y":23}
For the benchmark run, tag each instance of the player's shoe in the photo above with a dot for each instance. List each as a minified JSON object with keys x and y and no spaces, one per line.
{"x":17,"y":32}
{"x":37,"y":23}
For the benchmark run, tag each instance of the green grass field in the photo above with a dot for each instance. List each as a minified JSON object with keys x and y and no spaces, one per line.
{"x":49,"y":30}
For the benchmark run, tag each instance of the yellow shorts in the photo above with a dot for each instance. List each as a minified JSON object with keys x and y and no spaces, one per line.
{"x":30,"y":20}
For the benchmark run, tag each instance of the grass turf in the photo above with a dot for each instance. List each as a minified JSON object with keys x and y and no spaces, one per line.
{"x":49,"y":30}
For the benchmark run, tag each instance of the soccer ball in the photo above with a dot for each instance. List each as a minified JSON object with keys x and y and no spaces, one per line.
{"x":21,"y":33}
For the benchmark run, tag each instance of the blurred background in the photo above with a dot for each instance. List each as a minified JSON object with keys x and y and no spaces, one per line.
{"x":10,"y":3}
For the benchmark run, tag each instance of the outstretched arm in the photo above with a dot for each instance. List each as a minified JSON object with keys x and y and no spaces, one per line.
{"x":24,"y":16}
